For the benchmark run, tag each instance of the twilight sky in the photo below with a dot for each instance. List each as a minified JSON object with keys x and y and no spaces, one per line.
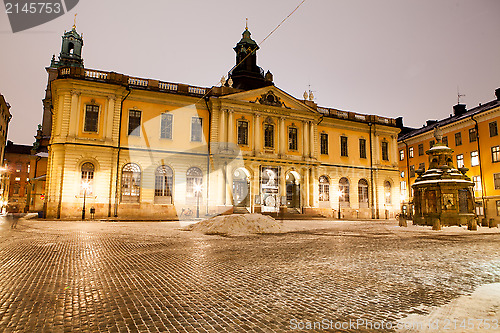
{"x":387,"y":57}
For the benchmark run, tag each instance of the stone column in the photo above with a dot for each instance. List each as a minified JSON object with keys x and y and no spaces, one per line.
{"x":306,"y":188}
{"x":311,"y":140}
{"x":230,"y":128}
{"x":282,"y":138}
{"x":222,"y":129}
{"x":305,"y":139}
{"x":73,"y":116}
{"x":108,"y":119}
{"x":257,"y":128}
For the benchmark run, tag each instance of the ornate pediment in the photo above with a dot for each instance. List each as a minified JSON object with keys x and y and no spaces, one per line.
{"x":271,"y":99}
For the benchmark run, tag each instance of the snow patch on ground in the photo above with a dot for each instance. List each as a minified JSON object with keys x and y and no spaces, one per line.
{"x":479,"y":312}
{"x":237,"y":225}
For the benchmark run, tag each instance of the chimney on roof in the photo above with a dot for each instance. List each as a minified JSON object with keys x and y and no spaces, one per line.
{"x":430,"y":122}
{"x":497,"y":93}
{"x":459,"y":109}
{"x":399,"y":122}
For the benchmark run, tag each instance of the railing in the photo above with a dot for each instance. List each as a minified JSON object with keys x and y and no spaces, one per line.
{"x":356,"y":116}
{"x":196,"y":90}
{"x":94,"y":74}
{"x":137,"y":82}
{"x":167,"y":86}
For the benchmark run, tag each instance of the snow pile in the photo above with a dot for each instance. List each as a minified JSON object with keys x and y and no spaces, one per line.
{"x":478,"y":312}
{"x":237,"y":225}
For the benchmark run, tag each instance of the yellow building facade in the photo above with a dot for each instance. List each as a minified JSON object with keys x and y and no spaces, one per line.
{"x":473,"y":135}
{"x":140,"y":148}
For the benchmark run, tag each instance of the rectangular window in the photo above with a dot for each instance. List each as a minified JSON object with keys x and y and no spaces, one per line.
{"x":496,"y":180}
{"x":498,"y":207}
{"x":460,"y":161}
{"x":324,"y":144}
{"x":343,"y":146}
{"x":166,"y":126}
{"x":493,"y":128}
{"x":472,"y":135}
{"x":445,"y":140}
{"x":479,"y":208}
{"x":431,"y":143}
{"x":362,"y":148}
{"x":292,"y":138}
{"x":458,"y":139}
{"x":91,"y":118}
{"x":385,"y":151}
{"x":474,"y":158}
{"x":242,"y":132}
{"x":196,"y":129}
{"x":477,"y":183}
{"x":28,"y":168}
{"x":268,"y":136}
{"x":421,"y":166}
{"x":412,"y":171}
{"x":401,"y":154}
{"x":410,"y":152}
{"x":403,"y":188}
{"x":134,"y":122}
{"x":495,"y":154}
{"x":420,"y":149}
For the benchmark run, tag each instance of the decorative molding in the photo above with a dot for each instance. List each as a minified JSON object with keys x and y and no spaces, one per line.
{"x":271,"y":99}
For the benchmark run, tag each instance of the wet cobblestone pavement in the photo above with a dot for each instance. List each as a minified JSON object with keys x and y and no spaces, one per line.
{"x":152,"y":277}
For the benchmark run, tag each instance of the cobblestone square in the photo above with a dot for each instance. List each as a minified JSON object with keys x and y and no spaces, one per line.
{"x":152,"y":277}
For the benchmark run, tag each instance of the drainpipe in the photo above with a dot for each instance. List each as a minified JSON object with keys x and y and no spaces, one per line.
{"x":371,"y":170}
{"x":118,"y":153}
{"x":483,"y":189}
{"x":408,"y":187}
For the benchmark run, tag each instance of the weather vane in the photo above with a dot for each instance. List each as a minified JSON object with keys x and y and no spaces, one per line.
{"x":246,"y":25}
{"x":459,"y":95}
{"x":74,"y":22}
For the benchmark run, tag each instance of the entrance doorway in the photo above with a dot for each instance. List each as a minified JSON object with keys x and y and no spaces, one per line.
{"x":292,"y":190}
{"x":269,"y":189}
{"x":241,"y":189}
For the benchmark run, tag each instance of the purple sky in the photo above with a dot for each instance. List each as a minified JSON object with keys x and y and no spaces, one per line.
{"x":387,"y":57}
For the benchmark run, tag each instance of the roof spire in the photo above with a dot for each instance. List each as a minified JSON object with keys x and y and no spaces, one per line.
{"x":74,"y":22}
{"x":246,"y":25}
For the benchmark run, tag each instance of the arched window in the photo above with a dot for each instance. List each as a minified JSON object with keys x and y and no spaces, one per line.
{"x":164,"y":184}
{"x":344,"y":192}
{"x":387,"y":192}
{"x":194,"y":180}
{"x":87,"y":182}
{"x":324,"y":188}
{"x":71,"y":48}
{"x":131,"y":183}
{"x":363,"y":193}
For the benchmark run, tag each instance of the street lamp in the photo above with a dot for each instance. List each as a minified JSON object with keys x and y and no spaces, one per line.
{"x":197,"y":191}
{"x":339,"y":193}
{"x":85,"y":186}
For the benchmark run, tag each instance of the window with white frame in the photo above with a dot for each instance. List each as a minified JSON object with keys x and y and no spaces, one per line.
{"x":87,"y":180}
{"x":131,"y":183}
{"x":495,"y":154}
{"x":166,"y":125}
{"x":474,"y":158}
{"x":460,"y":161}
{"x":324,"y":188}
{"x":477,"y":183}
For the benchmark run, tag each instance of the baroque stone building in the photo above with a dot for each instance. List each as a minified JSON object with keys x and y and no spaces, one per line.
{"x":137,"y":147}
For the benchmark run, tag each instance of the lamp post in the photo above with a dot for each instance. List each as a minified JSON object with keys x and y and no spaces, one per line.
{"x":197,"y":191}
{"x":340,"y":193}
{"x":85,"y":186}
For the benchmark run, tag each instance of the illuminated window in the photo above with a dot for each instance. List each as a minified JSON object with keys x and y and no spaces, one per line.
{"x":194,"y":179}
{"x":410,"y":152}
{"x":495,"y":154}
{"x":460,"y":161}
{"x":363,"y":193}
{"x":324,"y":188}
{"x":164,"y":184}
{"x":87,"y":180}
{"x":131,"y":183}
{"x":477,"y":183}
{"x":401,"y":154}
{"x":344,"y":198}
{"x":474,"y":158}
{"x":387,"y":192}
